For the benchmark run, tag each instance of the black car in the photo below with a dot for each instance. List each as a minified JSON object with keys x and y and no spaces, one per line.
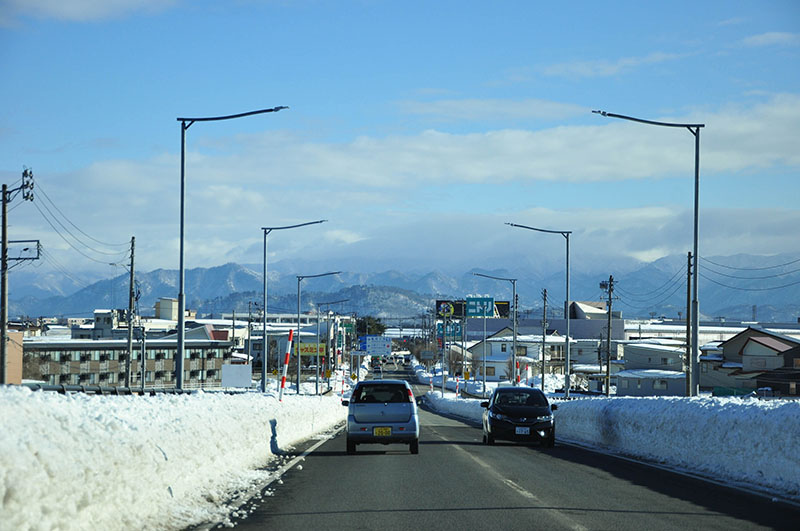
{"x":520,"y":414}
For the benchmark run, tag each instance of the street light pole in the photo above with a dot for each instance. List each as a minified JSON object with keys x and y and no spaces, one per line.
{"x":515,"y":375}
{"x":565,"y":234}
{"x":265,"y":360}
{"x":327,"y":361}
{"x":297,"y":342}
{"x":186,"y":123}
{"x":693,"y":128}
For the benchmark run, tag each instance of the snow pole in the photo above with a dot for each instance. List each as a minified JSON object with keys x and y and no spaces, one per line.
{"x":431,"y":384}
{"x":458,"y":382}
{"x":286,"y":364}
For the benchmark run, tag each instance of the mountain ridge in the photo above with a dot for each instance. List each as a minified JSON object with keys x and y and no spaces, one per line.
{"x":657,"y":288}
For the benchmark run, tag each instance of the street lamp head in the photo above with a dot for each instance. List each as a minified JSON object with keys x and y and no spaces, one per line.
{"x":602,"y":113}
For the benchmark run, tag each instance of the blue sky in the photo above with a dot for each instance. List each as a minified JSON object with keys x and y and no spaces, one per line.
{"x":416,"y":128}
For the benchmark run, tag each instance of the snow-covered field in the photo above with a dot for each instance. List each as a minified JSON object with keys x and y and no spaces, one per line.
{"x":167,"y":462}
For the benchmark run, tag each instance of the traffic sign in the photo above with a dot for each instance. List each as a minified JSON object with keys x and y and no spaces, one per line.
{"x":453,"y":329}
{"x":480,"y":307}
{"x":378,"y":345}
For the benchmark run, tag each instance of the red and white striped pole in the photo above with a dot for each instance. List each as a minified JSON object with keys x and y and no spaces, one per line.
{"x":517,"y":372}
{"x":458,"y":383}
{"x":286,"y":364}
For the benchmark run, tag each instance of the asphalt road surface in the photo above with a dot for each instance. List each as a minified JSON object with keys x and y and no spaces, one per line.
{"x":458,"y":483}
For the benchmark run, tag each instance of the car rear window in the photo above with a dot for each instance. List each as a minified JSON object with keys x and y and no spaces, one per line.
{"x":520,"y":398}
{"x":380,"y":393}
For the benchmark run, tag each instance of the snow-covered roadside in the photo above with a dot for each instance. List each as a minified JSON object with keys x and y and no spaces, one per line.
{"x":126,"y":462}
{"x":741,"y":441}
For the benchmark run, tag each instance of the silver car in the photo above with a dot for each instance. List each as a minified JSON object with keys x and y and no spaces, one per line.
{"x":383,"y":412}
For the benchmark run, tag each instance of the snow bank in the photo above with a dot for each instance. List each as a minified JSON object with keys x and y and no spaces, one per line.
{"x":127,"y":462}
{"x":743,"y":441}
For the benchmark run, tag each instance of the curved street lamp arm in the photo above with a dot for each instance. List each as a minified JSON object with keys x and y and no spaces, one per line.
{"x":301,"y":277}
{"x":231,"y":116}
{"x":650,"y":122}
{"x":564,"y":233}
{"x":270,"y":229}
{"x":495,"y":278}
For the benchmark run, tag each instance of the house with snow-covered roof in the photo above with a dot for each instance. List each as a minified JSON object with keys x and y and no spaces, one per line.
{"x":745,"y":357}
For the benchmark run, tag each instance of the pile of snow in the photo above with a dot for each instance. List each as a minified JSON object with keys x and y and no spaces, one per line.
{"x":78,"y":461}
{"x":748,"y":442}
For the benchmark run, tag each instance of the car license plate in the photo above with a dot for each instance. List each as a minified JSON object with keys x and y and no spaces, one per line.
{"x":382,"y":432}
{"x":523,"y":430}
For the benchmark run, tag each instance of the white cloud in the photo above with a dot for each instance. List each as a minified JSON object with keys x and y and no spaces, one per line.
{"x":382,"y":195}
{"x":82,"y":10}
{"x":476,"y":110}
{"x":343,"y":236}
{"x":605,"y":68}
{"x":773,"y":38}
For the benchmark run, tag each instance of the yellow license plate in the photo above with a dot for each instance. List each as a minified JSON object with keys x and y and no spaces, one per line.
{"x":382,"y":432}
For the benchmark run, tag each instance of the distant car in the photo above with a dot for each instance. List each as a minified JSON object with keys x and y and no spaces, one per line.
{"x":520,"y":414}
{"x":384,"y":412}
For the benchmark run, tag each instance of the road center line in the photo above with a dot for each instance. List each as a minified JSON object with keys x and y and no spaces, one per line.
{"x":565,"y":520}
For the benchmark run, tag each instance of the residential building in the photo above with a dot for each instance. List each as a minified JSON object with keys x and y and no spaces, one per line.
{"x":58,"y":360}
{"x":783,"y":381}
{"x":744,"y":358}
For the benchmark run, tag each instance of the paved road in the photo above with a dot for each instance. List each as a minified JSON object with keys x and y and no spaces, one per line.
{"x":458,"y":483}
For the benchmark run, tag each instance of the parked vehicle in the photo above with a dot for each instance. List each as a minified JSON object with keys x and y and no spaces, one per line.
{"x":383,"y":412}
{"x":520,"y":414}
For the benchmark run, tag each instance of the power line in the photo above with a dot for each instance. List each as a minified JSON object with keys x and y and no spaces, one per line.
{"x":751,"y":278}
{"x":749,"y":289}
{"x":657,"y":292}
{"x":114,"y":253}
{"x":656,"y":304}
{"x":65,"y":239}
{"x":750,"y":268}
{"x":41,"y":190}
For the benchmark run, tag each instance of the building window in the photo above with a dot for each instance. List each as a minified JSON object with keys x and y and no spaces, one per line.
{"x":623,"y":383}
{"x":502,"y":347}
{"x":793,"y":387}
{"x":759,"y":363}
{"x":638,"y":384}
{"x":489,"y":371}
{"x":659,"y":384}
{"x":796,"y":363}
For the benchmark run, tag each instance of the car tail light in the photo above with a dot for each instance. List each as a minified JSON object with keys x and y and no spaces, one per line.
{"x":410,"y":395}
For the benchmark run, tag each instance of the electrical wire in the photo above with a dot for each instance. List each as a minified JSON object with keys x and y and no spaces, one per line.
{"x":50,"y":259}
{"x":41,"y":191}
{"x":749,"y":268}
{"x":114,"y":253}
{"x":749,"y":289}
{"x":65,"y":239}
{"x":657,"y":304}
{"x":658,"y":292}
{"x":751,"y":278}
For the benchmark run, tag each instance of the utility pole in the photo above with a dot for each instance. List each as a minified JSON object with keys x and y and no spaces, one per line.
{"x":609,"y":287}
{"x":131,"y":296}
{"x":544,"y":331}
{"x":8,"y":196}
{"x":689,"y":375}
